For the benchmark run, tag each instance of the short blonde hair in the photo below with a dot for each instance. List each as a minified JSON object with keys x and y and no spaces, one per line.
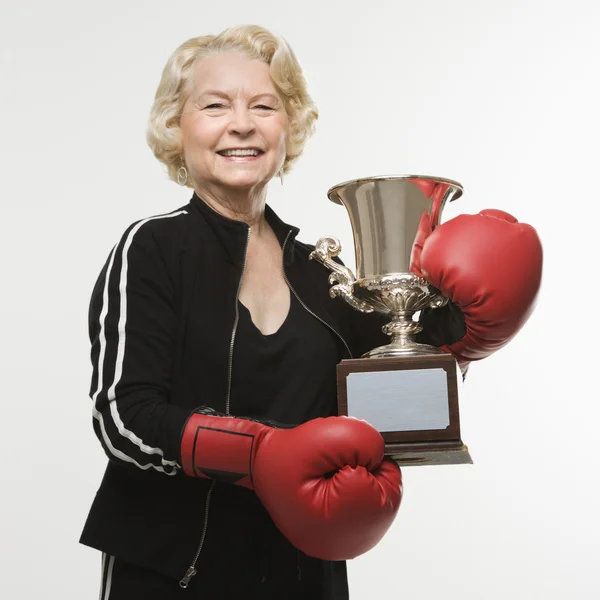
{"x":163,"y":133}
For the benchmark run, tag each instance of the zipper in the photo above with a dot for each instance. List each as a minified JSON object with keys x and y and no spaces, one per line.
{"x":192,"y":568}
{"x":235,"y":325}
{"x":304,"y":305}
{"x":298,"y":567}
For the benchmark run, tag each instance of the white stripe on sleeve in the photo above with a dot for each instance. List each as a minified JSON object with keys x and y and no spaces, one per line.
{"x":111,"y":396}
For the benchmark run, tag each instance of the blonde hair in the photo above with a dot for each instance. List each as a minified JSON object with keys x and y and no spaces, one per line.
{"x":163,"y":133}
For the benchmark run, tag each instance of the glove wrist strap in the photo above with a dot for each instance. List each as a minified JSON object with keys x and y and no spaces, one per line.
{"x":221,"y":448}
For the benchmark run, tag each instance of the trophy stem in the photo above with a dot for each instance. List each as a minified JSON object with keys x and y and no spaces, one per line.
{"x":403,"y":330}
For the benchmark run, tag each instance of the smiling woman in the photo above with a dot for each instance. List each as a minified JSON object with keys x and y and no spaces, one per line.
{"x":213,"y":310}
{"x":286,"y":87}
{"x":233,"y":126}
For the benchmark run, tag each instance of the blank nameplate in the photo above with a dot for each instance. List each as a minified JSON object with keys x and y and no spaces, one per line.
{"x":405,"y":400}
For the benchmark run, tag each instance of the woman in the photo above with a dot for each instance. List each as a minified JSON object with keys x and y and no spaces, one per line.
{"x":209,"y":326}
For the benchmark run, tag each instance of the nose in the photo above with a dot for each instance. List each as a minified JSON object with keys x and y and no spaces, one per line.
{"x":241,"y":123}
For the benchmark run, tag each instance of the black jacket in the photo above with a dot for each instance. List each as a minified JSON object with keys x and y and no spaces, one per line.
{"x":168,"y":289}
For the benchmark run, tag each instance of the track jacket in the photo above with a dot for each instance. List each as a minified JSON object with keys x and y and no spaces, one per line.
{"x":169,"y":287}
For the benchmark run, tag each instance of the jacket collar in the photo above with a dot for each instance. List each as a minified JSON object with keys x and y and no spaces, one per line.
{"x":233,"y":233}
{"x":232,"y":236}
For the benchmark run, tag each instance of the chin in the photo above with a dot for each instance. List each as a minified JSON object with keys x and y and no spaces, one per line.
{"x":245,"y":182}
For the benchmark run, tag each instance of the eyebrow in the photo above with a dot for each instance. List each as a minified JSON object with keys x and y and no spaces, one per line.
{"x":213,"y":93}
{"x":226,"y":96}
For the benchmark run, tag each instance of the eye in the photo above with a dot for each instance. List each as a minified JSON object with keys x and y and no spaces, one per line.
{"x":264,"y":107}
{"x":214,"y":105}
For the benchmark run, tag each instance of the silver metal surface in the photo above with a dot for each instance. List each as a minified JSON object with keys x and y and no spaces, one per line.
{"x":385,"y":213}
{"x":407,"y":400}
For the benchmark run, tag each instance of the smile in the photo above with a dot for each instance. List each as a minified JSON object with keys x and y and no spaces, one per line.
{"x":241,"y":152}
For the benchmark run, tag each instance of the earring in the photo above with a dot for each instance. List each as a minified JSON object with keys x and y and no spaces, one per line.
{"x":182,"y":175}
{"x":281,"y":176}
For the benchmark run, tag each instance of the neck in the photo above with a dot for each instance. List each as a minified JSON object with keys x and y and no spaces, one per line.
{"x":247,"y":206}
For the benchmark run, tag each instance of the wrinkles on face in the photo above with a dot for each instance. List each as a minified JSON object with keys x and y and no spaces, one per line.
{"x":234,"y":129}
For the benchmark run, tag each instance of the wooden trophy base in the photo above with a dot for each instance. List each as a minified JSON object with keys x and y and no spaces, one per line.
{"x":411,"y":401}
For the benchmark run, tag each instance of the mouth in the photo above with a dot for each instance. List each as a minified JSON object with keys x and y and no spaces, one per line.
{"x":240,"y":153}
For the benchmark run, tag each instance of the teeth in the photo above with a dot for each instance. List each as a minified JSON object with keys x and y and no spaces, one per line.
{"x":240,"y":152}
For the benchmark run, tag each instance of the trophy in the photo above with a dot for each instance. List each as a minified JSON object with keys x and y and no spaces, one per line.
{"x":406,"y":390}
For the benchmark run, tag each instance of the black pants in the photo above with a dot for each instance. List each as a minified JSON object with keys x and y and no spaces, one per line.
{"x":124,"y":581}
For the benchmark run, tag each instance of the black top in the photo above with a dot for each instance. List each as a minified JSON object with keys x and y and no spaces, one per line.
{"x":288,"y":376}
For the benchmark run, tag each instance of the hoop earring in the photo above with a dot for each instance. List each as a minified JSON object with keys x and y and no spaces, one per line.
{"x":182,"y":175}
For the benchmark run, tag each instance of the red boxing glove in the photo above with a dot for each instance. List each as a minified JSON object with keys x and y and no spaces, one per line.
{"x":325,"y":483}
{"x":490,"y":266}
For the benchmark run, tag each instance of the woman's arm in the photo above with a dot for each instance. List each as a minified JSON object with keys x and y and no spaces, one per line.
{"x":133,"y":330}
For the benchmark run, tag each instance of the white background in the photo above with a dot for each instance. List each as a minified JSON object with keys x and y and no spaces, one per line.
{"x":499,"y":95}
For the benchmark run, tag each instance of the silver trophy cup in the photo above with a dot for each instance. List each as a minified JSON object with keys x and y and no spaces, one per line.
{"x":406,"y":389}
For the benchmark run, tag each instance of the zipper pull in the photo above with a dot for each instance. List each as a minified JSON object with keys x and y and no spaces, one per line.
{"x":186,"y":579}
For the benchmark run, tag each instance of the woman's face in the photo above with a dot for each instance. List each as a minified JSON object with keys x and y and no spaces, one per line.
{"x":233,"y":124}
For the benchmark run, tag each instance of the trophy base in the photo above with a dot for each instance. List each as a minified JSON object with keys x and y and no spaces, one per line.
{"x":428,"y":453}
{"x":411,"y":400}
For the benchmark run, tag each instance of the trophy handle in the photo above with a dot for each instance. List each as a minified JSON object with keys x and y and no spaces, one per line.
{"x":325,"y":250}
